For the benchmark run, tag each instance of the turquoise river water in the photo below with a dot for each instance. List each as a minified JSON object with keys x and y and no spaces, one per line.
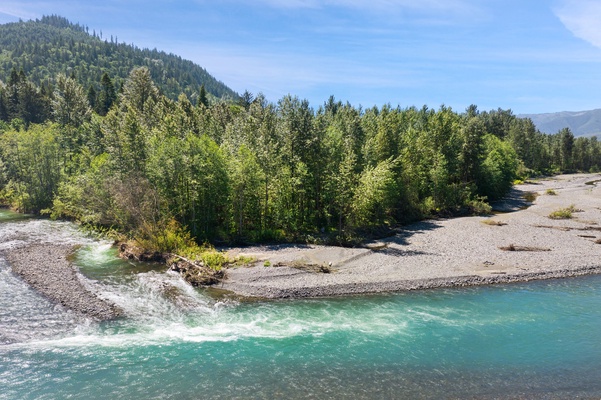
{"x":538,"y":340}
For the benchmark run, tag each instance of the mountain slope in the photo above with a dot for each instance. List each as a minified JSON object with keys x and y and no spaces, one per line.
{"x":581,"y":123}
{"x":43,"y":48}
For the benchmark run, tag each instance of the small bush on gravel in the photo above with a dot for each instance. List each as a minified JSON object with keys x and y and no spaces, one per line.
{"x":479,"y":206}
{"x":551,"y":192}
{"x":564,"y":213}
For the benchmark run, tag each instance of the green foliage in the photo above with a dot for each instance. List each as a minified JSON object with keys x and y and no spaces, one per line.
{"x":33,"y":167}
{"x":213,"y":258}
{"x":479,"y":206}
{"x":87,"y":197}
{"x":166,"y":236}
{"x":562,"y":213}
{"x":268,"y":236}
{"x":70,"y":104}
{"x":375,"y":195}
{"x":246,"y":182}
{"x":498,"y":168}
{"x":107,"y":96}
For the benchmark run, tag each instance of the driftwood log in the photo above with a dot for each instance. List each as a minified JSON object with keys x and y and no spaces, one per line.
{"x":193,"y":272}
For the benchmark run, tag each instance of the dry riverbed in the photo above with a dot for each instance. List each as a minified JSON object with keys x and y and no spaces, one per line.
{"x":517,"y":244}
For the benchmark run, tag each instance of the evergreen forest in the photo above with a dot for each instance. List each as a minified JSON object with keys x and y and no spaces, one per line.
{"x":51,"y":45}
{"x":163,"y":170}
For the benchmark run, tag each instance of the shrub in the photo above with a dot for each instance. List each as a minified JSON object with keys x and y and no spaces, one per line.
{"x":562,"y":213}
{"x":166,"y":237}
{"x":479,"y":206}
{"x":551,"y":192}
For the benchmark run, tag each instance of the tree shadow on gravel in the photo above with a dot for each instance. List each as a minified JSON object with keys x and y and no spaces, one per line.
{"x":515,"y":200}
{"x":286,"y":246}
{"x":391,"y":251}
{"x":406,"y":232}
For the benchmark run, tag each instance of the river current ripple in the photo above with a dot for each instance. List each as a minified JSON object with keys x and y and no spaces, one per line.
{"x":534,"y":340}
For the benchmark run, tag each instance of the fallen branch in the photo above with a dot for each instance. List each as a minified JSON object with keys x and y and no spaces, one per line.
{"x":513,"y":247}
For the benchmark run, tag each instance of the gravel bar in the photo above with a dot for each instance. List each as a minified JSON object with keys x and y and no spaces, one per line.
{"x":453,"y":252}
{"x":46,"y":268}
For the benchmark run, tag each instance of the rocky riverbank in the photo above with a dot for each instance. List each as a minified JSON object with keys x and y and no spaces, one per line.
{"x":518,"y":243}
{"x":46,"y":268}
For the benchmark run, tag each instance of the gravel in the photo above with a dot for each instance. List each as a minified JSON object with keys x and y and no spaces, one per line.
{"x":445,"y":253}
{"x":46,"y":268}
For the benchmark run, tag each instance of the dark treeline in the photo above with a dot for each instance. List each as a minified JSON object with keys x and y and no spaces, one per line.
{"x":259,"y":171}
{"x":51,"y":45}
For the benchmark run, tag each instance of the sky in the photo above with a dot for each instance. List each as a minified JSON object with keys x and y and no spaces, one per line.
{"x":530,"y":56}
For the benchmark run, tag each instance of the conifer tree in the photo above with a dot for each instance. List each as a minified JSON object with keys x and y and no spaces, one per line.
{"x":107,"y":95}
{"x":202,"y":97}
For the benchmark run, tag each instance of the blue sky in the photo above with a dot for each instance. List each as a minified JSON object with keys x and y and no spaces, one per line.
{"x":532,"y":56}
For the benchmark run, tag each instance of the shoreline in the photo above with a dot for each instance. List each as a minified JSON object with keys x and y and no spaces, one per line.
{"x":458,"y":252}
{"x":408,"y":285}
{"x":47,"y":269}
{"x":445,"y":253}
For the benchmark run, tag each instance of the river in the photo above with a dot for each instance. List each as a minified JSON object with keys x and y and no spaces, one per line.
{"x":534,"y":340}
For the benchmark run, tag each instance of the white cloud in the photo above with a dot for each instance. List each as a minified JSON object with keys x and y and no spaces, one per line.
{"x":428,"y":6}
{"x":278,"y":73}
{"x":582,"y":18}
{"x":16,"y":10}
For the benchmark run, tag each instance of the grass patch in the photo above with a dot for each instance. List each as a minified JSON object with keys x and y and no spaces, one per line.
{"x":551,"y":192}
{"x":564,"y":213}
{"x":492,"y":222}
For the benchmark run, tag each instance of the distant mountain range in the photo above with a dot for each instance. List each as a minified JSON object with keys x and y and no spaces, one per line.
{"x":581,"y":123}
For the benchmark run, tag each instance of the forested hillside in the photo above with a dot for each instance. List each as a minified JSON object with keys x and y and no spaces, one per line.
{"x":53,"y":45}
{"x":165,"y":171}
